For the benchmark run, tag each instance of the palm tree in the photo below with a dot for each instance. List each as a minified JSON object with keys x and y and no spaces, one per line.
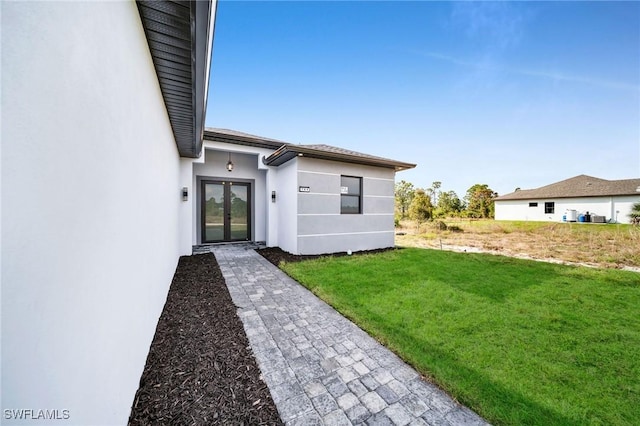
{"x":635,"y":214}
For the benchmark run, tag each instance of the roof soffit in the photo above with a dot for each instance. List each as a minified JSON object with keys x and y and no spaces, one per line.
{"x":331,"y":153}
{"x":180,"y":37}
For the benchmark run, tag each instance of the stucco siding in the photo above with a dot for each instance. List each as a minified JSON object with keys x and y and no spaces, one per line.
{"x":287,"y":202}
{"x":340,"y":168}
{"x":621,"y":207}
{"x":318,"y":204}
{"x":384,"y":187}
{"x":343,"y":224}
{"x":320,"y":226}
{"x":91,"y":208}
{"x":319,"y":182}
{"x":341,"y":243}
{"x":378,"y":205}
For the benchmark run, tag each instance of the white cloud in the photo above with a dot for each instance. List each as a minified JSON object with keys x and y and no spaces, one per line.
{"x":496,"y":24}
{"x":548,"y":75}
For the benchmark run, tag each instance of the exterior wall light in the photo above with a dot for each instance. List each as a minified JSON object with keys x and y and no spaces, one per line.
{"x":185,"y":193}
{"x":273,"y":196}
{"x":229,"y":164}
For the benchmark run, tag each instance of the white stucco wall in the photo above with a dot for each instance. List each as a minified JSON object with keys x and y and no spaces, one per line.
{"x":90,"y":208}
{"x":272,"y":207}
{"x":601,"y":206}
{"x":188,"y":207}
{"x":287,"y":206}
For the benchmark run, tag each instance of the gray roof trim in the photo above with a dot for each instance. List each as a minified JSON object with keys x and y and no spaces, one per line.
{"x":180,"y":38}
{"x":326,"y":152}
{"x":581,"y":186}
{"x":239,"y":138}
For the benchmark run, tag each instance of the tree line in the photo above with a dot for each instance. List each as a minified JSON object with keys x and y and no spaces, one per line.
{"x":423,"y":204}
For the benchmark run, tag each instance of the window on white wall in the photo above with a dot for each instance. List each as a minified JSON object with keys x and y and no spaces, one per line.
{"x":533,"y":204}
{"x":350,"y":195}
{"x":549,"y":207}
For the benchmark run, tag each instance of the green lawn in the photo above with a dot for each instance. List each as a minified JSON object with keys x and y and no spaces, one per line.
{"x":520,"y":342}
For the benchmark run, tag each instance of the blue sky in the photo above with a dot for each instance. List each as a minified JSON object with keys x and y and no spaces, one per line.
{"x":511,"y":94}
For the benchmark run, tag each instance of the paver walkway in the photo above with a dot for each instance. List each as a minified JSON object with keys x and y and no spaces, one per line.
{"x":320,"y":367}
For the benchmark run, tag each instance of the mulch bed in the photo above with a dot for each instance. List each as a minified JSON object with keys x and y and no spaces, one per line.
{"x":276,"y":255}
{"x":200,"y":368}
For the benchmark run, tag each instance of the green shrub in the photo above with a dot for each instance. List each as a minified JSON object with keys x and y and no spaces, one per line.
{"x":440,"y":225}
{"x":455,"y":228}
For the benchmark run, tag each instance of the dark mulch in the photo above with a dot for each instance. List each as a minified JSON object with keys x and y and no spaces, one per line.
{"x":200,"y":369}
{"x":276,"y":255}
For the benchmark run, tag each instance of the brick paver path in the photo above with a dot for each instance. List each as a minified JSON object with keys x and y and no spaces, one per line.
{"x":320,"y":367}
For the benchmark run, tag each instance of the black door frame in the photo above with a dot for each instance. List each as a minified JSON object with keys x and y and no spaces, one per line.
{"x":227,"y":184}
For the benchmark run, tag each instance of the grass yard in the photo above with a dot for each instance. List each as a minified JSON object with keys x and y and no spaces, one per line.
{"x":520,"y":342}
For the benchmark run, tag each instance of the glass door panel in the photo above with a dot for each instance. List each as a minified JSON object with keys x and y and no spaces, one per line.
{"x":239,"y":212}
{"x":213,"y":212}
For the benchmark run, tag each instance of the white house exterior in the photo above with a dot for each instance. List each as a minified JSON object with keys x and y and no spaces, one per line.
{"x":610,"y":199}
{"x":105,"y":171}
{"x":296,"y":194}
{"x":93,"y":221}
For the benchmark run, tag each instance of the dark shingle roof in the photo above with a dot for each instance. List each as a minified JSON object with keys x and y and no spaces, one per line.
{"x":286,"y":151}
{"x":578,"y":186}
{"x":180,"y":36}
{"x":328,"y":152}
{"x":338,"y":150}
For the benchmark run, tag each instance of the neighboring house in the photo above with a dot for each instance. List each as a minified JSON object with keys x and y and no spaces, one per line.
{"x":611,"y":199}
{"x":306,"y":199}
{"x":108,"y":176}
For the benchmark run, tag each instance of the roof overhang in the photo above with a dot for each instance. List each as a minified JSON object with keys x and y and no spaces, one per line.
{"x":180,"y":38}
{"x":238,"y":138}
{"x":284,"y":151}
{"x":289,"y":151}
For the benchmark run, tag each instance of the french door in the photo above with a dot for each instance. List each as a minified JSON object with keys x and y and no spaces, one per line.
{"x":226,"y":211}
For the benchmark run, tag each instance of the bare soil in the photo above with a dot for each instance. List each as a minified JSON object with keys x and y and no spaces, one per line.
{"x":276,"y":255}
{"x":200,"y":369}
{"x":606,"y":245}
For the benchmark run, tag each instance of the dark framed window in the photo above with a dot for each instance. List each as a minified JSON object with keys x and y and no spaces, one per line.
{"x":350,"y":195}
{"x":533,"y":204}
{"x":550,"y":207}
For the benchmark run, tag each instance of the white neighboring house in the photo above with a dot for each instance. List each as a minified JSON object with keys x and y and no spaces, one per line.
{"x":611,"y":199}
{"x":108,"y":176}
